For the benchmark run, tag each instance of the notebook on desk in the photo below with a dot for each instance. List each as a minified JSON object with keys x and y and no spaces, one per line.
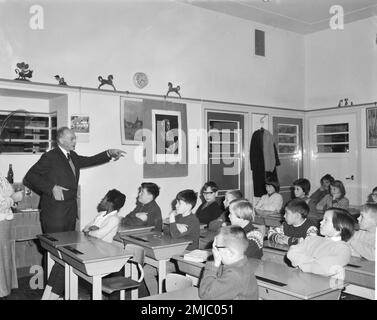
{"x":197,"y":255}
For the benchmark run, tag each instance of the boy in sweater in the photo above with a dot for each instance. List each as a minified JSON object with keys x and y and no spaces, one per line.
{"x":230,"y":276}
{"x":242,"y":215}
{"x":147,"y":212}
{"x":329,"y":254}
{"x":182,"y":223}
{"x":363,"y":242}
{"x":296,"y":226}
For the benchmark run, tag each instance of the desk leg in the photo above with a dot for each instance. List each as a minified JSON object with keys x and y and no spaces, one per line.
{"x":73,"y":285}
{"x":97,"y":288}
{"x":47,"y":290}
{"x":67,"y":281}
{"x":134,"y":276}
{"x":161,"y":274}
{"x":50,"y":263}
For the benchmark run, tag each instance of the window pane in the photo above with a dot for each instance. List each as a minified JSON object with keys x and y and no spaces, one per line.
{"x":287,"y":149}
{"x":332,"y":128}
{"x":332,"y":138}
{"x":287,"y":139}
{"x":287,"y":128}
{"x":329,"y":148}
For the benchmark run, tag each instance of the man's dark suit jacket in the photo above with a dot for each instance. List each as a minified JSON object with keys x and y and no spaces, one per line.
{"x":53,"y":169}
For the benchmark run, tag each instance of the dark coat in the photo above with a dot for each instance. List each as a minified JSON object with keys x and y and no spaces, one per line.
{"x":53,"y":169}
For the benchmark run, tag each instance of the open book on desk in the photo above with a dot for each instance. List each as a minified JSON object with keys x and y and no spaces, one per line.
{"x":197,"y":255}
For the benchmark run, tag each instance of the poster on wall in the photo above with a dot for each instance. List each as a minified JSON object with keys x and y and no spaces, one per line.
{"x":131,"y":115}
{"x":80,"y":125}
{"x":371,"y":117}
{"x":166,"y":136}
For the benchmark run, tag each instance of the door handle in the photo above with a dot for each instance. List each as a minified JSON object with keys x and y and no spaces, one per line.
{"x":349,"y":178}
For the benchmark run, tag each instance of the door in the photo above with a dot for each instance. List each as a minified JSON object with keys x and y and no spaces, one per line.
{"x":288,"y":139}
{"x":225,"y":151}
{"x":333,"y":149}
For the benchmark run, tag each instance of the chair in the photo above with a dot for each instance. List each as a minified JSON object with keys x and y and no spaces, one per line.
{"x":110,"y":285}
{"x":175,"y":281}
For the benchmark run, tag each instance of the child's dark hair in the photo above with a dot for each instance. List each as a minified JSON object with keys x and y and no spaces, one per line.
{"x":370,"y":199}
{"x":117,"y":198}
{"x":152,"y":188}
{"x":343,"y":221}
{"x":298,"y":205}
{"x":339,"y":184}
{"x":273,"y":183}
{"x":189,"y":196}
{"x":327,"y":177}
{"x":210,"y":184}
{"x":304,"y":184}
{"x":234,"y":238}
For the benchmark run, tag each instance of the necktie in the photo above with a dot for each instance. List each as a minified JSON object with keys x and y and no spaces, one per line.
{"x":71,"y":164}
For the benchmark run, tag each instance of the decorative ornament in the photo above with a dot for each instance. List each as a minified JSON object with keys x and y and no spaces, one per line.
{"x":173,"y":89}
{"x":61,"y":80}
{"x":23,"y":71}
{"x":108,"y":81}
{"x":140,"y":80}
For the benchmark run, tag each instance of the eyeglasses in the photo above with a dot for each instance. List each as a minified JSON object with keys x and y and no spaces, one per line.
{"x":208,"y":192}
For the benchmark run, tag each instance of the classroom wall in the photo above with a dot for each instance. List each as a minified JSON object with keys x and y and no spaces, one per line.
{"x":341,"y":64}
{"x":210,"y":55}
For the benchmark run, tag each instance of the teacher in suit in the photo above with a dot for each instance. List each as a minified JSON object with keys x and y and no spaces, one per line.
{"x":56,"y":176}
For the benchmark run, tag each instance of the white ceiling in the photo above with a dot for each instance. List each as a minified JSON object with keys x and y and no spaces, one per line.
{"x":301,"y":16}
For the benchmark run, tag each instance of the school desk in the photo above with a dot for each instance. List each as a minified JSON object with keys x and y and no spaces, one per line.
{"x":267,"y":218}
{"x":51,"y":242}
{"x":134,"y":229}
{"x":360,"y":273}
{"x":159,"y":248}
{"x":274,"y":252}
{"x":91,"y":260}
{"x":190,"y":293}
{"x":279,"y":282}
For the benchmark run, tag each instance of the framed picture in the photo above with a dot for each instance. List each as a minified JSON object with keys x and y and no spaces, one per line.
{"x":131,"y":120}
{"x":166,"y":136}
{"x":80,"y":123}
{"x":371,"y":116}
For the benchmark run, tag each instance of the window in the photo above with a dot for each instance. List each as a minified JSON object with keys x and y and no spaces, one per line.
{"x":27,"y":132}
{"x":288,"y":139}
{"x":333,"y":138}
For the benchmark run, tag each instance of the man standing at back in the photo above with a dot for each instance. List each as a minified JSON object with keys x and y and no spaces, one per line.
{"x":56,"y":176}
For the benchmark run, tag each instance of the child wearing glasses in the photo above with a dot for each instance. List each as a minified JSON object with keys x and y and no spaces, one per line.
{"x":363,"y":242}
{"x":209,"y":210}
{"x":230,"y":275}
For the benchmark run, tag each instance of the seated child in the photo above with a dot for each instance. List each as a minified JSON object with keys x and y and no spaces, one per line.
{"x":372,"y":198}
{"x":301,"y":190}
{"x":336,"y":198}
{"x":296,"y":226}
{"x":105,"y":225}
{"x":230,"y":276}
{"x":147,"y":212}
{"x":329,"y":254}
{"x":323,"y":190}
{"x":209,"y":210}
{"x":363,"y":242}
{"x":230,"y":195}
{"x":272,"y":201}
{"x":182,"y":223}
{"x":242,"y":215}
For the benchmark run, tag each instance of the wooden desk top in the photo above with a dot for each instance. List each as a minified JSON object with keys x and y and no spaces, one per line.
{"x":155,"y":240}
{"x":134,"y":230}
{"x":59,"y":239}
{"x":267,"y":244}
{"x":190,"y":293}
{"x":361,"y":266}
{"x":94,"y":250}
{"x":284,"y":279}
{"x":267,"y":213}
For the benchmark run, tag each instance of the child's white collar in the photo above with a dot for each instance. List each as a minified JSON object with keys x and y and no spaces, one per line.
{"x":336,"y":238}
